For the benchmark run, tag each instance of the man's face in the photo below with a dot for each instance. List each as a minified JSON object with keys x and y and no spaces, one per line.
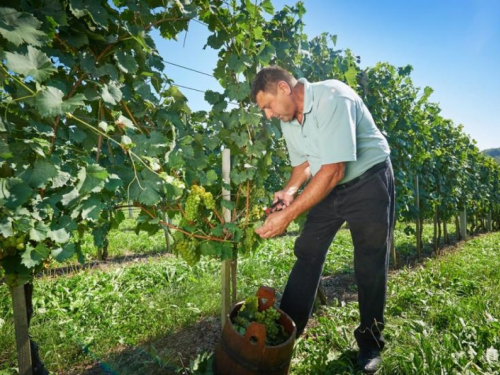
{"x":279,"y":104}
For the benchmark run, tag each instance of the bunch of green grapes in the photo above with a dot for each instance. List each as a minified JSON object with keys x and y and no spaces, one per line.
{"x":192,"y":204}
{"x":259,"y":196}
{"x":11,"y":244}
{"x":250,"y":307}
{"x":198,"y":195}
{"x":188,"y":250}
{"x":208,"y":200}
{"x":246,"y":314}
{"x":250,"y":240}
{"x":256,"y":212}
{"x":249,"y":312}
{"x":274,"y":331}
{"x":258,"y":193}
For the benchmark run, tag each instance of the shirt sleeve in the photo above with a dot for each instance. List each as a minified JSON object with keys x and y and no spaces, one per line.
{"x":337,"y":129}
{"x":296,"y":156}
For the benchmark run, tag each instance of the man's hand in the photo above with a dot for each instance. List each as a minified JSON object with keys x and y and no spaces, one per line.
{"x":285,"y":196}
{"x":317,"y":189}
{"x":275,"y":224}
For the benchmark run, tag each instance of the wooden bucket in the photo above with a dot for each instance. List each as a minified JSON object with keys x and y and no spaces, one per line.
{"x":249,"y":354}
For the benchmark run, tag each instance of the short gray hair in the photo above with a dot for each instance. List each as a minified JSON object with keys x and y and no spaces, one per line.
{"x":268,"y":77}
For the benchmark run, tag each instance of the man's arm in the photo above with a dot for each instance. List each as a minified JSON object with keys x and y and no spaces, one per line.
{"x":317,"y":189}
{"x":300,"y":174}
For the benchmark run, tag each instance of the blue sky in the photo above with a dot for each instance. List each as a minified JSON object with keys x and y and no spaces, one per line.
{"x":453,"y":46}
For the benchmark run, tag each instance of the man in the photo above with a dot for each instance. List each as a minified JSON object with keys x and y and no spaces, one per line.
{"x":331,"y":136}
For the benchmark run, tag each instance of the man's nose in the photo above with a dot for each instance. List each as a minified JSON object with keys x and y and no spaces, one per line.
{"x":268,"y":113}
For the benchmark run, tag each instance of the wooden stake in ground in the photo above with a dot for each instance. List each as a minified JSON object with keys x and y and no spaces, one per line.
{"x":21,"y":327}
{"x":463,"y":224}
{"x":226,"y":264}
{"x":166,"y":219}
{"x":418,"y":222}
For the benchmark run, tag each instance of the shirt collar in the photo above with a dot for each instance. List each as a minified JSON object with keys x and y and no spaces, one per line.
{"x":308,"y":100}
{"x":308,"y":97}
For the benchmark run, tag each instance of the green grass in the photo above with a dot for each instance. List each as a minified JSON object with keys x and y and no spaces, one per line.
{"x":124,"y":242}
{"x":442,"y":317}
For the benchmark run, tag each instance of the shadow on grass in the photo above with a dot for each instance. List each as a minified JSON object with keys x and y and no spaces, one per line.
{"x":408,"y":257}
{"x":345,"y":363}
{"x":341,"y":287}
{"x":123,"y":259}
{"x":169,"y":354}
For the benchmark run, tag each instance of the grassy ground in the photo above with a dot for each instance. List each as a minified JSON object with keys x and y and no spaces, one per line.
{"x":442,"y":317}
{"x":153,"y":314}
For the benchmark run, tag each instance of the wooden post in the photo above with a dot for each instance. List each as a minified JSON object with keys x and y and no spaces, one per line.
{"x":130,"y":214}
{"x":21,"y":327}
{"x":234,"y":272}
{"x":166,"y":219}
{"x":434,"y":237}
{"x":463,"y":224}
{"x":226,"y":264}
{"x":393,"y":251}
{"x":419,"y":231}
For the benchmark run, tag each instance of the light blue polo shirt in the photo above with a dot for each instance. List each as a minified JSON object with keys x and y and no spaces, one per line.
{"x":337,"y":127}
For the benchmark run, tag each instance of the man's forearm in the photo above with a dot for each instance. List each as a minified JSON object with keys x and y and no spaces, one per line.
{"x":317,"y":189}
{"x":320,"y":185}
{"x":300,"y":174}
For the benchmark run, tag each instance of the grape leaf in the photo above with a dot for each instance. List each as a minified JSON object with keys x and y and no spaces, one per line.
{"x":239,"y":91}
{"x":33,"y":256}
{"x":227,"y":204}
{"x":19,"y":28}
{"x":146,"y":188}
{"x":39,"y":232}
{"x":267,"y":6}
{"x":111,"y":93}
{"x":60,"y":235}
{"x":34,"y":64}
{"x":351,"y":76}
{"x":125,"y":122}
{"x":6,"y":226}
{"x":91,"y":178}
{"x":91,"y":209}
{"x":126,"y":62}
{"x":13,"y":192}
{"x":61,"y":179}
{"x":248,"y":118}
{"x":41,"y":173}
{"x":49,"y":102}
{"x":63,"y":253}
{"x":93,"y":8}
{"x":70,"y":197}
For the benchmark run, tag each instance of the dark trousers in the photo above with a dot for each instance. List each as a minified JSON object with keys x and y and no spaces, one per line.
{"x":368,"y":207}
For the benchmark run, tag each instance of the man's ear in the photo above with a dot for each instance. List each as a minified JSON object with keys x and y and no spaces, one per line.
{"x":284,"y":88}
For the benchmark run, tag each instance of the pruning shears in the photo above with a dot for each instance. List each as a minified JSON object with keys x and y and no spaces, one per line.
{"x":274,"y":207}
